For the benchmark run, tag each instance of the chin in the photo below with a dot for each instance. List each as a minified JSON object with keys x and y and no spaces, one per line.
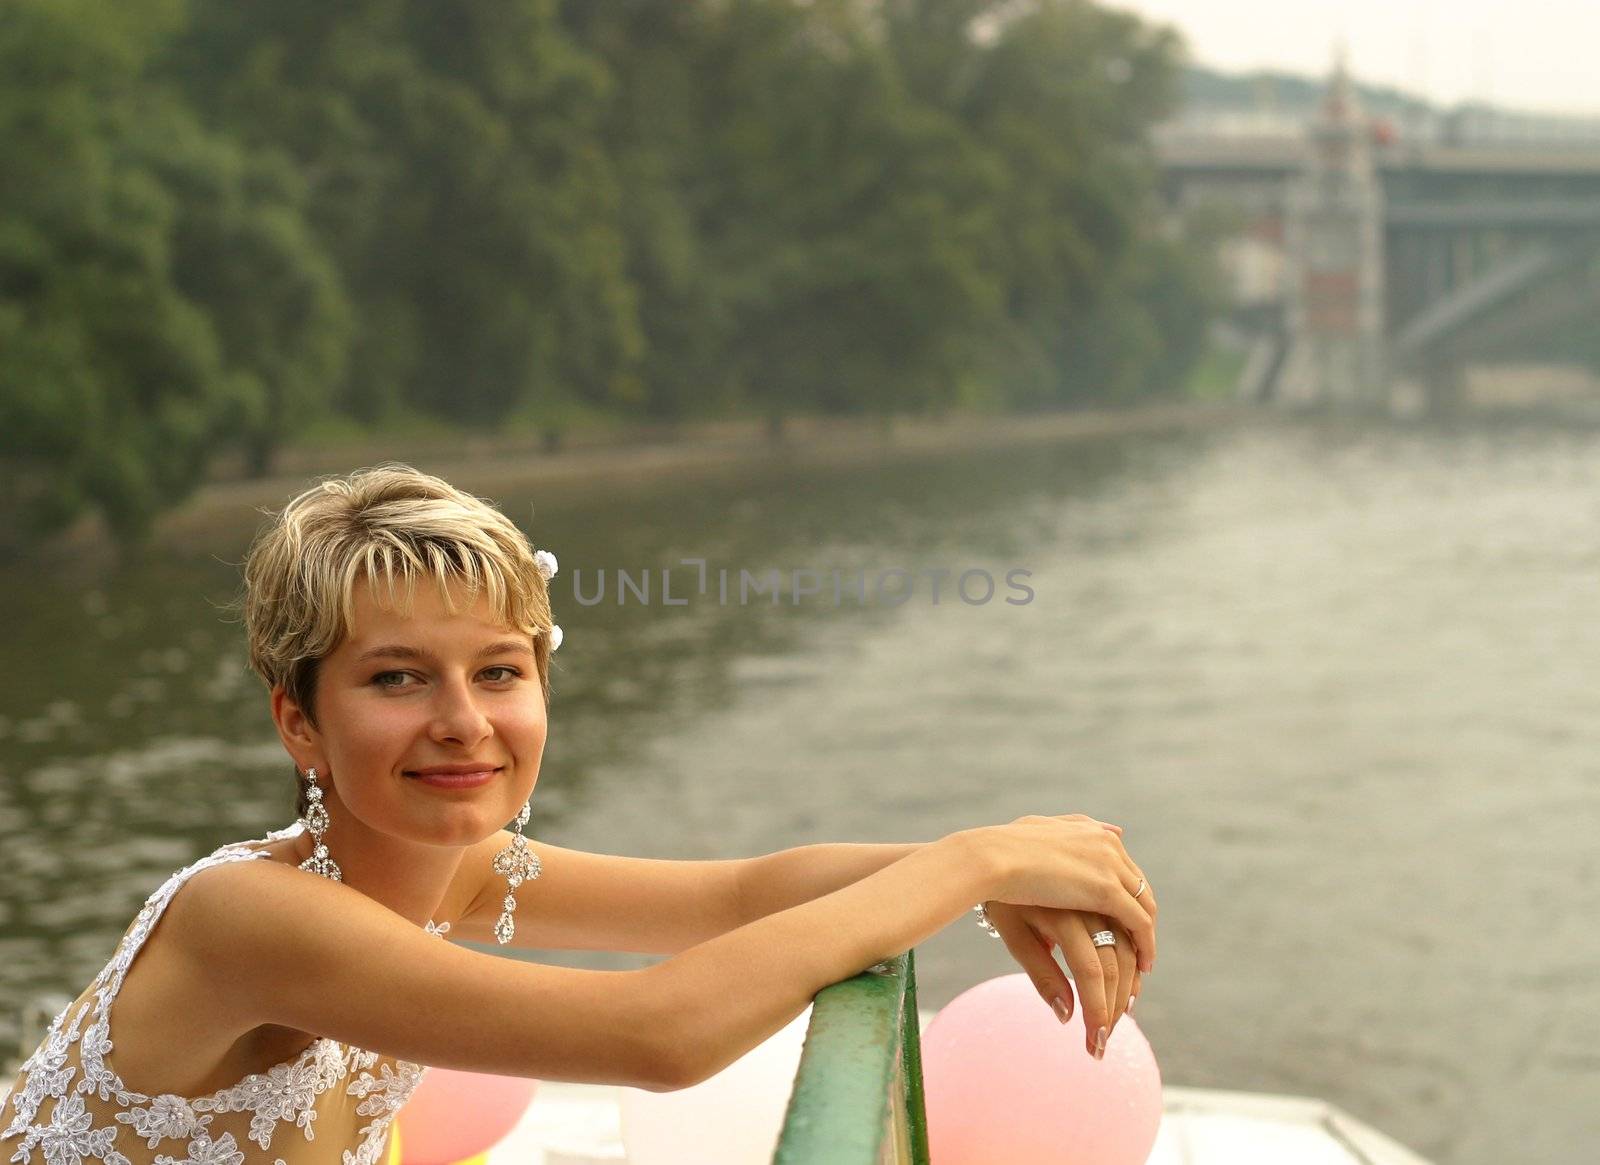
{"x":464,"y":826}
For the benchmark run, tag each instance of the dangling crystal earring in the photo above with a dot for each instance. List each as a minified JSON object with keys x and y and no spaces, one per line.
{"x":315,"y":822}
{"x":519,"y":864}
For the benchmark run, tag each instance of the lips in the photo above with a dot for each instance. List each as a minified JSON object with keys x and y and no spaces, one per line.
{"x":454,"y":770}
{"x":455,"y":776}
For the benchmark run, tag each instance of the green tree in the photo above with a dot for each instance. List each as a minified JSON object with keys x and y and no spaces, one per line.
{"x":1179,"y":288}
{"x":118,"y":216}
{"x":457,"y":177}
{"x":653,"y":131}
{"x":241,"y":249}
{"x":1061,"y":95}
{"x":836,"y":222}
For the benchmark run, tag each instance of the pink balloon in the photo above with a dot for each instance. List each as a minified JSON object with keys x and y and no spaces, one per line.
{"x":1004,"y":1081}
{"x":455,"y":1115}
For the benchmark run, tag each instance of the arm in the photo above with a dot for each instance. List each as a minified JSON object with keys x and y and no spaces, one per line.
{"x":598,"y":902}
{"x":777,"y":881}
{"x":320,"y":957}
{"x":749,"y":983}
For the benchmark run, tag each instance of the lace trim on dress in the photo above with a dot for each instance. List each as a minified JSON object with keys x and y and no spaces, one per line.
{"x":285,"y":1093}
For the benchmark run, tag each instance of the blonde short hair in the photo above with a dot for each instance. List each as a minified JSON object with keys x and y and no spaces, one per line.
{"x":391,"y":525}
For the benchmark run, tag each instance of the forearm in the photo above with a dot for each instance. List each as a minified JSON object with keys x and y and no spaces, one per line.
{"x":777,"y":881}
{"x":723,"y":997}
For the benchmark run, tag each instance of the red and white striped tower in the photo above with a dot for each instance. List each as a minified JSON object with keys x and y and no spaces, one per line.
{"x":1334,"y":241}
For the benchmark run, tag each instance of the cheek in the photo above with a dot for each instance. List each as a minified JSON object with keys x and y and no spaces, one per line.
{"x":371,"y":729}
{"x":528,"y":729}
{"x":521,"y":724}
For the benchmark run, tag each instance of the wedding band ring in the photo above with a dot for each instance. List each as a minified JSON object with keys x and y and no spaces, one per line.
{"x":1103,"y":938}
{"x":1142,"y":888}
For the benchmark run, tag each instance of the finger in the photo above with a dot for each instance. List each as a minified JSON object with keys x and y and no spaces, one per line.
{"x":1135,"y":883}
{"x":1148,"y":897}
{"x":1088,"y":972}
{"x":1121,"y":906}
{"x":1116,"y":985}
{"x":1127,"y":971}
{"x":1116,"y":829}
{"x":1035,"y":954}
{"x":1138,"y":986}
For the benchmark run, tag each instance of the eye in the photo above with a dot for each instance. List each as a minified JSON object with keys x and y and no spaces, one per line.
{"x":511,"y":673}
{"x":381,"y":680}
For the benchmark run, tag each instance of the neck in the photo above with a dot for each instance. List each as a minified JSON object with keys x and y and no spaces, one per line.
{"x":409,"y":877}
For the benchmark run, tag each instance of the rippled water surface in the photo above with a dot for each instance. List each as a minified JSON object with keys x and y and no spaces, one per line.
{"x":1334,"y":681}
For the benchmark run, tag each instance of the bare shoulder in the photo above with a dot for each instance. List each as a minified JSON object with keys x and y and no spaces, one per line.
{"x":187,"y":1019}
{"x":258,"y":920}
{"x":239,"y":922}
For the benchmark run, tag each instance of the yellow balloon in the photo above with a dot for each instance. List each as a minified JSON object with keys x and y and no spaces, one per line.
{"x":393,"y":1157}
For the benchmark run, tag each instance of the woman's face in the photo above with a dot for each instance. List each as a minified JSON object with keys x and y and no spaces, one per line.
{"x":408,"y":692}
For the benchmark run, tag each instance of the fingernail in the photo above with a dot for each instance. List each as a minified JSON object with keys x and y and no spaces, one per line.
{"x":1132,"y":999}
{"x":1100,"y":1044}
{"x":1060,"y":1006}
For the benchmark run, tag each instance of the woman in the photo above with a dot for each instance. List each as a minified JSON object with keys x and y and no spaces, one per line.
{"x":279,"y":1009}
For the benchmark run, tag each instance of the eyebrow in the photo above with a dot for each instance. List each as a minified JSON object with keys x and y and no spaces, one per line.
{"x":401,"y":651}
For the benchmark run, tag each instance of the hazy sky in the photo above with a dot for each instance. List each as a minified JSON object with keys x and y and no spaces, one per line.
{"x":1530,"y":54}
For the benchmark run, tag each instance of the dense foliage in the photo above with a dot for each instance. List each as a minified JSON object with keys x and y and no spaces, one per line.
{"x":222,"y":220}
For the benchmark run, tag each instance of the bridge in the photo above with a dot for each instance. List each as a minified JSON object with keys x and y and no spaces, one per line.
{"x":1368,"y":257}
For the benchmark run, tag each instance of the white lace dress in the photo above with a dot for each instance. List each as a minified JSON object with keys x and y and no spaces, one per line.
{"x":330,"y":1105}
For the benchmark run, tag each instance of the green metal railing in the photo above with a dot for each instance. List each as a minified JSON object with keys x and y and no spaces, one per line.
{"x":857,"y":1097}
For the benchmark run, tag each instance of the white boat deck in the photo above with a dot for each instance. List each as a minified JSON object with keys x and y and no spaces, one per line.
{"x":579,"y":1124}
{"x":1200,"y":1126}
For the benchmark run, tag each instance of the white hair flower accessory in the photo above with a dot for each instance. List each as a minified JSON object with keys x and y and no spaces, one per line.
{"x":545,"y":563}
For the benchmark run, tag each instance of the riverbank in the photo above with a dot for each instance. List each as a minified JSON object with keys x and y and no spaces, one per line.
{"x":630,"y":458}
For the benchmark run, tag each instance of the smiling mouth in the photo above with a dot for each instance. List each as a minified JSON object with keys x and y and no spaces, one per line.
{"x":470,"y":777}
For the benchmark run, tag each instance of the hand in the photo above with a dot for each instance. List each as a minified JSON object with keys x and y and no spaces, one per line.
{"x":1107,"y":978}
{"x":1072,"y":863}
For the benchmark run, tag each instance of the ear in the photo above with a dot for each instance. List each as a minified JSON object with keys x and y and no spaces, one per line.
{"x":302,"y":741}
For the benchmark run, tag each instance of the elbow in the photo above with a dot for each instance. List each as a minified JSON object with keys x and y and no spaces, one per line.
{"x":668,"y":1080}
{"x":671,"y":1068}
{"x":693,"y":1058}
{"x":674,"y":1054}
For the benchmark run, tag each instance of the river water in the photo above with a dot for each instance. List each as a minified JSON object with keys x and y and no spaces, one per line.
{"x":1334,"y":681}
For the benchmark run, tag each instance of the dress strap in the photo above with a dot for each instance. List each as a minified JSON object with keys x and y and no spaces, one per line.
{"x":98,"y":1077}
{"x":110,"y":978}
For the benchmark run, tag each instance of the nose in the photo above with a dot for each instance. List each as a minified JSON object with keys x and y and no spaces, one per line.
{"x":458,"y":719}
